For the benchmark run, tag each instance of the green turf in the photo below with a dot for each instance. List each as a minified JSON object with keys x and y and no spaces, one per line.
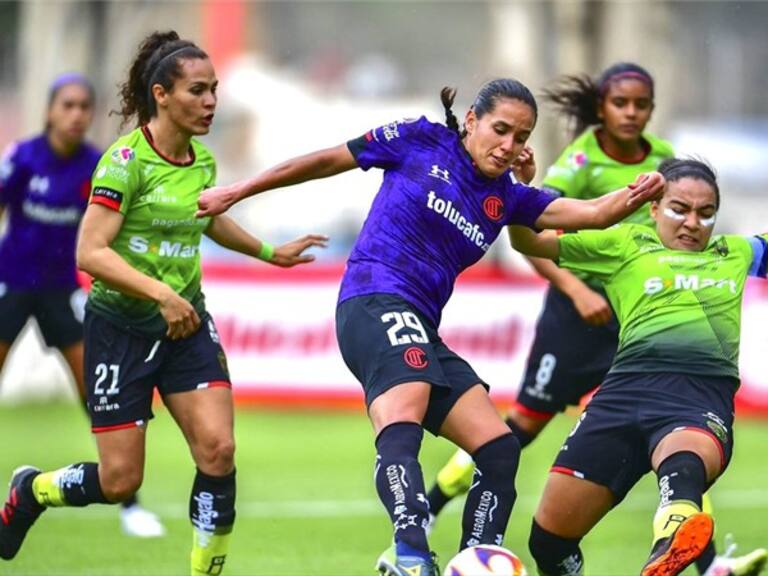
{"x":325,"y":459}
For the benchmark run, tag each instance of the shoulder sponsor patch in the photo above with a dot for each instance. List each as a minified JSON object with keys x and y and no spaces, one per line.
{"x":116,"y":172}
{"x":107,"y":197}
{"x":123,"y":155}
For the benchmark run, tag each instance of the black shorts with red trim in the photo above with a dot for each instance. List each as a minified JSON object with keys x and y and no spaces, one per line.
{"x":568,"y":358}
{"x":59,"y":314}
{"x":122,"y":370}
{"x":631,"y":413}
{"x":386,"y":341}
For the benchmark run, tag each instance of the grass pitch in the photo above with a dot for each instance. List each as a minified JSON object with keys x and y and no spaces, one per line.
{"x":306,"y":502}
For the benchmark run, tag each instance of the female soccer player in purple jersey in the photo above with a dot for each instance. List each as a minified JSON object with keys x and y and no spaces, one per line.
{"x":146,"y":325}
{"x":446,"y":195}
{"x":44,"y":187}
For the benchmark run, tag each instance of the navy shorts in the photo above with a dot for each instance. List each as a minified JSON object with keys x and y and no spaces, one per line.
{"x":59,"y":314}
{"x":122,"y":370}
{"x":385,"y":341}
{"x":568,"y":357}
{"x":614,"y":439}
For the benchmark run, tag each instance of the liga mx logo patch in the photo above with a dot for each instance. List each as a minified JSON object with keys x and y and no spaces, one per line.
{"x":493,"y":206}
{"x":123,"y":155}
{"x":415,"y":357}
{"x":577,"y":159}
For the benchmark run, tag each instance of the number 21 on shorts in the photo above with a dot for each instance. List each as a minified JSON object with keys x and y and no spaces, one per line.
{"x":403,"y":321}
{"x":103,"y":373}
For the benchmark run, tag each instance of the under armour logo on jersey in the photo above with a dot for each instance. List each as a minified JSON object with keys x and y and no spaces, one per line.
{"x":438,"y":172}
{"x":39,"y":184}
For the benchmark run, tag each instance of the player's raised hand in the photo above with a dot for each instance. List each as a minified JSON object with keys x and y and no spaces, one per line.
{"x":524,"y":166}
{"x":216,"y":200}
{"x":291,"y":253}
{"x":646,"y":187}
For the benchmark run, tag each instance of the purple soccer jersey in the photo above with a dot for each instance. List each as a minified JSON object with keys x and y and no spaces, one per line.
{"x":45,"y":197}
{"x":434,"y":215}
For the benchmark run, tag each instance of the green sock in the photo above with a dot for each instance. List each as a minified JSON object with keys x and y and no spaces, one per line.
{"x":209,"y":552}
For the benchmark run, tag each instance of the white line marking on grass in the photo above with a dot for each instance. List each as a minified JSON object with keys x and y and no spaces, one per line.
{"x":722,"y":500}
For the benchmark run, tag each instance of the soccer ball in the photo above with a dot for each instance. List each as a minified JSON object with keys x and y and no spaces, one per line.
{"x":485,"y":560}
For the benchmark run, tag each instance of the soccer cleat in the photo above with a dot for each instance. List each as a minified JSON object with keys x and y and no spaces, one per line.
{"x":390,"y":564}
{"x":672,"y":555}
{"x":19,"y":513}
{"x":727,"y":565}
{"x":141,"y":523}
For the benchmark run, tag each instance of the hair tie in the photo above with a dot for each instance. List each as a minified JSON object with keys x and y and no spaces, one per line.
{"x":626,"y":74}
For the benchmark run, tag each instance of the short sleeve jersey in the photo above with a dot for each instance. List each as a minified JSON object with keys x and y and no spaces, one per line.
{"x":584,"y":171}
{"x":45,"y":196}
{"x":160,"y":235}
{"x":679,"y":311}
{"x":434,"y":215}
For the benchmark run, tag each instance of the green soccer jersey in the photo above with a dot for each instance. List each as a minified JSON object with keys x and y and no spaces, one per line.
{"x":679,"y":311}
{"x":160,"y":235}
{"x":585,"y":171}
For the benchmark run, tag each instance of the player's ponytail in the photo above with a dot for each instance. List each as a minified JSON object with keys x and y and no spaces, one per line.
{"x":579,"y":97}
{"x":156,"y":62}
{"x":447,"y":96}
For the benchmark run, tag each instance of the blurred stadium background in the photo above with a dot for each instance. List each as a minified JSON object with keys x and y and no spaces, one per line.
{"x":296,"y":76}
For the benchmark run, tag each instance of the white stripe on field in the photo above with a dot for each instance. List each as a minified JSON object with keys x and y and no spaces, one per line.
{"x":723,"y":499}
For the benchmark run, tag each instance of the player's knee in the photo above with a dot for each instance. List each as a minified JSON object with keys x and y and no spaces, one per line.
{"x":555,"y":555}
{"x":120,"y":482}
{"x":216,"y":455}
{"x":499,"y":457}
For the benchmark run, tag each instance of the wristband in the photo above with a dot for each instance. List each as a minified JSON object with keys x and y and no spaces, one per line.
{"x":267,"y":251}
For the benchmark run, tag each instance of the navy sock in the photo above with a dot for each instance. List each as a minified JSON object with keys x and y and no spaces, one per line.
{"x":492,"y":495}
{"x":555,"y":555}
{"x":707,"y":557}
{"x":682,"y":476}
{"x":80,"y":485}
{"x":212,"y":503}
{"x":132,"y":501}
{"x":400,"y":484}
{"x":437,"y":499}
{"x":523,"y":437}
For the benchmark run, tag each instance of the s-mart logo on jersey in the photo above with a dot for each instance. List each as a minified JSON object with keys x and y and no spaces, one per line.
{"x":656,"y":284}
{"x":165,"y":249}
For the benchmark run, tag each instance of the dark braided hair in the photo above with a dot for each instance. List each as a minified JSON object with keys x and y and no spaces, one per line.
{"x":579,"y":96}
{"x":157,"y":62}
{"x":486,"y":100}
{"x":674,"y":169}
